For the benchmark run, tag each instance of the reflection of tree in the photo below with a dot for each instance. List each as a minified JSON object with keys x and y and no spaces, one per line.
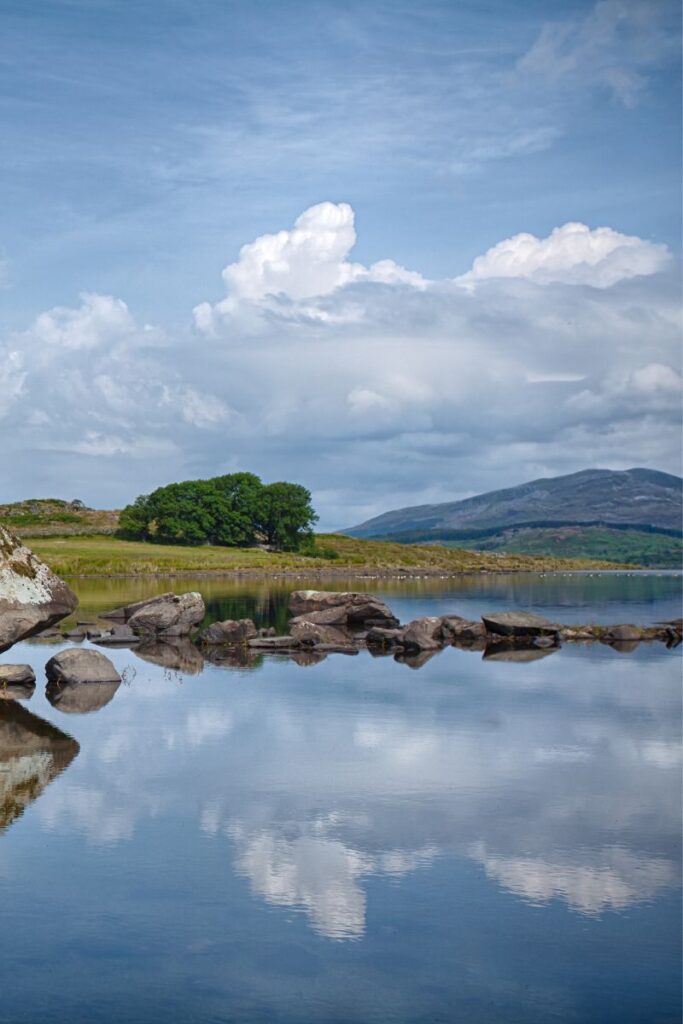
{"x":32,"y":754}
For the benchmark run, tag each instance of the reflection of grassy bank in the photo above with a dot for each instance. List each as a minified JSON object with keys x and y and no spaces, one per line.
{"x":107,"y":556}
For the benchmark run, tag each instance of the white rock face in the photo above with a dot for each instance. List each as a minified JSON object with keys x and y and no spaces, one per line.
{"x":31,"y":595}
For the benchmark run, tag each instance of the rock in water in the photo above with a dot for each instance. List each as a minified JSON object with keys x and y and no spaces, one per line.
{"x":31,"y":595}
{"x":79,"y":665}
{"x":17,"y":682}
{"x":170,"y":615}
{"x":353,"y":609}
{"x":519,"y":624}
{"x":231,"y":632}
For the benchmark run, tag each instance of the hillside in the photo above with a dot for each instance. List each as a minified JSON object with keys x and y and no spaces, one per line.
{"x":44,"y":517}
{"x":626,"y":516}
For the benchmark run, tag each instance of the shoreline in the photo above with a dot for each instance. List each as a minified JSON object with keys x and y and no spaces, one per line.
{"x":367,"y":572}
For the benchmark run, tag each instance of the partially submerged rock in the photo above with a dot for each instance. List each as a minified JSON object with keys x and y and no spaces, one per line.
{"x":352,"y":609}
{"x":230,"y":632}
{"x":166,"y":615}
{"x":81,"y":665}
{"x":17,"y":682}
{"x":422,"y":634}
{"x":519,"y":624}
{"x":32,"y":597}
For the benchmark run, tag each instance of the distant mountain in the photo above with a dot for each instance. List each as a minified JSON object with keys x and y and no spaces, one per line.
{"x":642,"y":498}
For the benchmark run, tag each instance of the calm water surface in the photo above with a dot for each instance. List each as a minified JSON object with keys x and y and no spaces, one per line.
{"x":352,"y":840}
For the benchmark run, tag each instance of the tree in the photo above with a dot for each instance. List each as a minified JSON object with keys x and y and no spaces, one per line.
{"x":235,"y":510}
{"x":287,"y":516}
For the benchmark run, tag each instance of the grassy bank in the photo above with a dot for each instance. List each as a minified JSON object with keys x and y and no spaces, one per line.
{"x":106,"y":556}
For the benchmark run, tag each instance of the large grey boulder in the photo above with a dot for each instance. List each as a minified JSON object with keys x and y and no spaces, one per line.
{"x":169,"y":615}
{"x":31,"y":595}
{"x":312,"y":633}
{"x":353,"y":609}
{"x":422,"y":634}
{"x":124,"y":613}
{"x":230,"y":632}
{"x":519,"y":624}
{"x":81,"y":665}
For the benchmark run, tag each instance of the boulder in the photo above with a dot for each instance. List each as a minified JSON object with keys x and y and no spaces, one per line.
{"x":231,"y":632}
{"x":32,"y":597}
{"x":383,"y":638}
{"x":17,"y":682}
{"x":79,"y":665}
{"x":455,"y":629}
{"x":358,"y":609}
{"x":624,"y":633}
{"x":118,"y":636}
{"x":312,"y":633}
{"x":169,"y":615}
{"x":422,"y":634}
{"x":124,"y":613}
{"x":519,"y":624}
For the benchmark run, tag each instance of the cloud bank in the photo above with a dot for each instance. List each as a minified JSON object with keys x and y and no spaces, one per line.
{"x":370,"y":383}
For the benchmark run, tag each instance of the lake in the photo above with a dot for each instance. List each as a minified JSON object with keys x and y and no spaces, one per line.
{"x":352,"y":839}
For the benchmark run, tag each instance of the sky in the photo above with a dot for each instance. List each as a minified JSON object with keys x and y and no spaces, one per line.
{"x":400,"y":253}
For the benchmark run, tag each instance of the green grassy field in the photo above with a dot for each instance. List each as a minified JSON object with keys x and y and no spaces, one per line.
{"x":622,"y":546}
{"x":106,"y":555}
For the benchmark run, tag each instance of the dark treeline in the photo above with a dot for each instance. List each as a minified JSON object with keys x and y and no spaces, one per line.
{"x":236,"y":510}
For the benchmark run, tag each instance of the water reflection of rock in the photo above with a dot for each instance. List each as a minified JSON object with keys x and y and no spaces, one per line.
{"x":179,"y":655}
{"x":80,"y":698}
{"x":510,"y":652}
{"x":32,"y":753}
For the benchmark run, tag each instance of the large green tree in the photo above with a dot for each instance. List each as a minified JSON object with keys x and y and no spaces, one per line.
{"x":236,"y":510}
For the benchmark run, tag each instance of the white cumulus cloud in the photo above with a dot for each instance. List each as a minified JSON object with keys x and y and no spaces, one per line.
{"x":307,"y":261}
{"x":571,"y":254}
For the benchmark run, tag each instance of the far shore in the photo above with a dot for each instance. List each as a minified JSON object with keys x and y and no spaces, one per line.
{"x":334,"y":556}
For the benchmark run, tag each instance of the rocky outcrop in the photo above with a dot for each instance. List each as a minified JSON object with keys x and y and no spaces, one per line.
{"x":519,"y":624}
{"x":32,"y":597}
{"x":274,"y":643}
{"x":345,"y":608}
{"x":230,"y":633}
{"x":80,"y":665}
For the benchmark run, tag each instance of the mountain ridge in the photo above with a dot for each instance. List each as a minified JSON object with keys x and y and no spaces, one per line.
{"x":637,"y":497}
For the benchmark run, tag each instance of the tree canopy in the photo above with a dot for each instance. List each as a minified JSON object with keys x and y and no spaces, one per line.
{"x":235,"y":510}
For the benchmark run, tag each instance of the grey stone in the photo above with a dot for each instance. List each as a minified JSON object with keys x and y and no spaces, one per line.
{"x":229,"y":632}
{"x":170,"y":615}
{"x":422,"y":634}
{"x":79,"y":665}
{"x":519,"y":624}
{"x":17,"y":682}
{"x":32,"y":597}
{"x":353,"y":608}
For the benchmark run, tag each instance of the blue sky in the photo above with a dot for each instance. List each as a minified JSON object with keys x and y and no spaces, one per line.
{"x":145,"y":144}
